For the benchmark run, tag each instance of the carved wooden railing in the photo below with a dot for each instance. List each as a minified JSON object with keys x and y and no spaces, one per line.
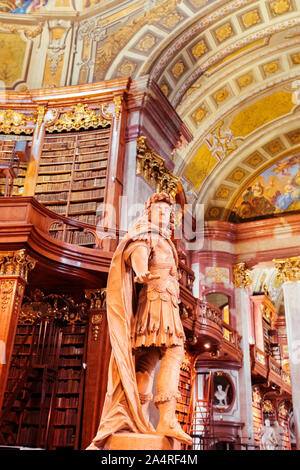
{"x":266,"y":366}
{"x":231,"y":336}
{"x":187,"y":276}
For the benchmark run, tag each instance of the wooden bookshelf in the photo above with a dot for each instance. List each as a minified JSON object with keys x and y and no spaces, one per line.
{"x":55,"y":399}
{"x":184,"y":388}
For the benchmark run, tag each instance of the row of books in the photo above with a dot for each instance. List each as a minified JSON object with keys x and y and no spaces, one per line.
{"x":34,"y":416}
{"x":87,"y":194}
{"x":68,"y":386}
{"x":53,"y":186}
{"x":182,"y":407}
{"x":83,"y":207}
{"x":59,"y":209}
{"x":67,"y":402}
{"x":87,"y":218}
{"x":80,"y":238}
{"x":65,"y":417}
{"x":70,"y":361}
{"x":69,"y":374}
{"x":91,"y":165}
{"x":67,"y":350}
{"x":55,"y":168}
{"x":89,"y":184}
{"x":94,"y":155}
{"x":74,"y":329}
{"x":47,"y":197}
{"x":63,"y":436}
{"x":62,"y":157}
{"x":73,"y":339}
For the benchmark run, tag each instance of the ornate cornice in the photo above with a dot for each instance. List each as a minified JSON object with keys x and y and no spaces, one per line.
{"x":153,"y":169}
{"x":288,"y":269}
{"x":80,"y":117}
{"x":16,"y":264}
{"x":241,"y":275}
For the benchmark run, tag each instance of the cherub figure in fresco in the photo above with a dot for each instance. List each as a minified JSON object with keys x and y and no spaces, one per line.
{"x":254,"y":202}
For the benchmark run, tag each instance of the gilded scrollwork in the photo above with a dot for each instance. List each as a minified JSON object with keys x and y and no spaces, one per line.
{"x":241,"y":275}
{"x":15,"y":122}
{"x":288,"y":269}
{"x":16,"y":263}
{"x":152,"y":167}
{"x":79,"y":117}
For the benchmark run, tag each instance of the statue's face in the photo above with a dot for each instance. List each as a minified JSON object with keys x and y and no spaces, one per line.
{"x":160,"y":214}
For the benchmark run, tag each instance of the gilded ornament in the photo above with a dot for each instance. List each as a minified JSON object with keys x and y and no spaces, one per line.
{"x":171,"y":20}
{"x":295,"y":137}
{"x":199,"y":49}
{"x":223,"y":193}
{"x":280,"y":6}
{"x":153,"y":169}
{"x":288,"y":270}
{"x":178,"y":69}
{"x":80,"y":117}
{"x":28,"y":32}
{"x":296,"y":58}
{"x":238,"y":175}
{"x":221,"y":95}
{"x":199,"y":114}
{"x":127,"y":68}
{"x":224,"y":32}
{"x":241,"y":275}
{"x":165,"y":89}
{"x":108,"y":50}
{"x":214,"y":212}
{"x":16,"y":263}
{"x":245,"y":80}
{"x":271,"y":67}
{"x":268,"y":407}
{"x":251,"y":18}
{"x":146,"y":43}
{"x":118,"y":105}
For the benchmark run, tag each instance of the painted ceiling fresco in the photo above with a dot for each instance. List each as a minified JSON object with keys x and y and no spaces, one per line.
{"x":276,"y":190}
{"x":21,"y":6}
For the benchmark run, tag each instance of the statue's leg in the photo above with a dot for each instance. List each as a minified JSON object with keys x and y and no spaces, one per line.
{"x":167,"y":394}
{"x":145,"y":363}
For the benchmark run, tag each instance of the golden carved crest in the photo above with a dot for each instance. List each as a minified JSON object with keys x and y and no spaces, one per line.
{"x":14,"y":122}
{"x":152,"y":167}
{"x":80,"y":117}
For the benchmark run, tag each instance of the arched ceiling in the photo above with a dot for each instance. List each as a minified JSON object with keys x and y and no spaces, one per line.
{"x":231,"y":68}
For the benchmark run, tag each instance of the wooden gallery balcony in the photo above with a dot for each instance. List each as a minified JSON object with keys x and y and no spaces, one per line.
{"x":266,"y":369}
{"x":209,"y":336}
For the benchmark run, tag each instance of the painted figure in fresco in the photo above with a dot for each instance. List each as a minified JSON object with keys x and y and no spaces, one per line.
{"x":145,"y":327}
{"x":268,"y":438}
{"x":27,"y":6}
{"x":254,"y":202}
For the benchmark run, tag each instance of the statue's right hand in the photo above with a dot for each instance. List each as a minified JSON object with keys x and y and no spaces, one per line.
{"x":144,"y":277}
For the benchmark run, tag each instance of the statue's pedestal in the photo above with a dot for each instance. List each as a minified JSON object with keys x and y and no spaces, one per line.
{"x":131,"y":441}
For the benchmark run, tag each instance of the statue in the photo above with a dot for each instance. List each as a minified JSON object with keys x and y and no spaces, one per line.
{"x":221,"y":395}
{"x":144,"y":327}
{"x":280,"y":431}
{"x":268,"y":438}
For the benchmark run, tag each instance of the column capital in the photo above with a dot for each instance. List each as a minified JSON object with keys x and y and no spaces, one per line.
{"x":16,"y":263}
{"x":241,"y":275}
{"x":288,"y":269}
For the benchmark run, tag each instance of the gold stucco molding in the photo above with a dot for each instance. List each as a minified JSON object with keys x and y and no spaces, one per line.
{"x":288,"y":269}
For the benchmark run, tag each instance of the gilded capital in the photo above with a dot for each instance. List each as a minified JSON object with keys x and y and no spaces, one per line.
{"x":16,"y":263}
{"x":241,"y":275}
{"x":288,"y":269}
{"x":97,"y":298}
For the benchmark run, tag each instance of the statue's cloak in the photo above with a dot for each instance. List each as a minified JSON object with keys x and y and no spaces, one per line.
{"x":122,"y":409}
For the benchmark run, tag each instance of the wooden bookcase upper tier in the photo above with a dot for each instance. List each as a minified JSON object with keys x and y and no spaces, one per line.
{"x":72,"y":173}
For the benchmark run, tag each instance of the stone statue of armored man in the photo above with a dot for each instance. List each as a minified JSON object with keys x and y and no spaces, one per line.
{"x":144,"y":327}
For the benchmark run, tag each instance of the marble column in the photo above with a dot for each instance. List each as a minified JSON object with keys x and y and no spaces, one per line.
{"x":14,"y":268}
{"x":288,"y":271}
{"x":242,"y":305}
